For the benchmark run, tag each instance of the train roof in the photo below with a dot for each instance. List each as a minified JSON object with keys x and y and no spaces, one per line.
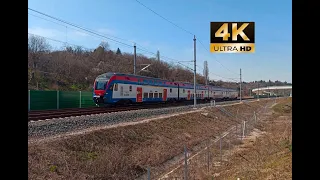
{"x":109,"y":74}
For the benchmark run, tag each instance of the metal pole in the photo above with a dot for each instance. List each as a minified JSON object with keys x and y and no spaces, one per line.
{"x":57,"y":99}
{"x":240,"y":87}
{"x":208,"y":162}
{"x":220,"y":148}
{"x":80,"y":100}
{"x":268,"y":90}
{"x":29,"y":101}
{"x":194,"y":74}
{"x":148,"y":173}
{"x":243,"y":129}
{"x":185,"y":163}
{"x":258,"y":90}
{"x":134,"y":59}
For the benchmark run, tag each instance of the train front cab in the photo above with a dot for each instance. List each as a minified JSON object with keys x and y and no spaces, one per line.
{"x":100,"y":91}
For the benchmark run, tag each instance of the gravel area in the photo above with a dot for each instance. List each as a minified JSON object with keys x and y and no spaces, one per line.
{"x":64,"y":125}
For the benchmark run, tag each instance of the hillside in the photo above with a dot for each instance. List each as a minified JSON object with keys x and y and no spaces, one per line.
{"x":75,"y":69}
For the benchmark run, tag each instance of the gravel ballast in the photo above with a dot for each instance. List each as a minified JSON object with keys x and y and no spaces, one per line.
{"x":65,"y":125}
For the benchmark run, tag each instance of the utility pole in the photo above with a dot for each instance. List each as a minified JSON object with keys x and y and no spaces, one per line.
{"x":206,"y":72}
{"x":240,"y":86}
{"x":268,"y":90}
{"x":258,"y":90}
{"x":158,"y":55}
{"x":194,"y":80}
{"x":134,"y":59}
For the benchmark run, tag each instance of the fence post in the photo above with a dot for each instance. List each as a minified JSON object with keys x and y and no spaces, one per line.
{"x":208,"y":159}
{"x":236,"y":134}
{"x":80,"y":100}
{"x":57,"y":99}
{"x":243,"y":129}
{"x":220,"y":148}
{"x":255,"y":117}
{"x":185,"y":163}
{"x":229,"y":142}
{"x":148,"y":173}
{"x":29,"y":100}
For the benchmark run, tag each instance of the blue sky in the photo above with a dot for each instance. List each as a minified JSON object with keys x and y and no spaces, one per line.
{"x":130,"y":21}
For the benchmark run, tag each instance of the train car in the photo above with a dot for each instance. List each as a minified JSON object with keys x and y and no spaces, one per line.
{"x":116,"y":88}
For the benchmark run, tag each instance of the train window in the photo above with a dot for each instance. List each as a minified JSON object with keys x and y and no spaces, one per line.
{"x":184,"y":90}
{"x":160,"y":95}
{"x":111,"y":87}
{"x":170,"y":90}
{"x":150,"y":95}
{"x":130,"y":88}
{"x":155,"y":95}
{"x":115,"y":87}
{"x":145,"y":95}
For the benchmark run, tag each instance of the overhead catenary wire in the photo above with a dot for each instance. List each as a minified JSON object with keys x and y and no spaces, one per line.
{"x":165,"y":18}
{"x":171,"y":60}
{"x":63,"y":42}
{"x":79,"y":27}
{"x":216,"y":59}
{"x":181,"y":29}
{"x":93,"y":32}
{"x":84,"y":30}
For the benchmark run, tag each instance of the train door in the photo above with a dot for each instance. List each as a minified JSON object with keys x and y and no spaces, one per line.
{"x":164,"y":95}
{"x":139,"y":94}
{"x":201,"y":94}
{"x":188,"y":95}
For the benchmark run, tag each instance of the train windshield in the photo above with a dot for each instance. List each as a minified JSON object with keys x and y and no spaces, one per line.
{"x":101,"y":84}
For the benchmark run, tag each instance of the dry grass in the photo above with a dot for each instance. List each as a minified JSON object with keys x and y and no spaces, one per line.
{"x":126,"y":152}
{"x":265,"y":154}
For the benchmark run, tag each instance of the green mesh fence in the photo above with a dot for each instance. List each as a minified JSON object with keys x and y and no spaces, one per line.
{"x":46,"y":100}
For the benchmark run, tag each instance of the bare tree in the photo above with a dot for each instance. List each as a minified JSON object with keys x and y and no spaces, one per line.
{"x":105,"y":45}
{"x":37,"y":46}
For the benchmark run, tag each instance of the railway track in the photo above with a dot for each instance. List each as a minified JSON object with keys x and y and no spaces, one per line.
{"x":61,"y":113}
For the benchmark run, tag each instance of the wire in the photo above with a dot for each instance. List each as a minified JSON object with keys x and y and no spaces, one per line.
{"x":79,"y":27}
{"x":70,"y":44}
{"x":85,"y":28}
{"x":91,"y":31}
{"x":164,"y":18}
{"x":181,"y":29}
{"x":216,"y":59}
{"x":233,"y":79}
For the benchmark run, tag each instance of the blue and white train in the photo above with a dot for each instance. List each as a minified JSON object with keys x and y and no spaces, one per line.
{"x":116,"y":88}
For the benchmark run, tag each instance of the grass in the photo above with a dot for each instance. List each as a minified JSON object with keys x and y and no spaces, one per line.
{"x":126,"y":152}
{"x":283,"y":107}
